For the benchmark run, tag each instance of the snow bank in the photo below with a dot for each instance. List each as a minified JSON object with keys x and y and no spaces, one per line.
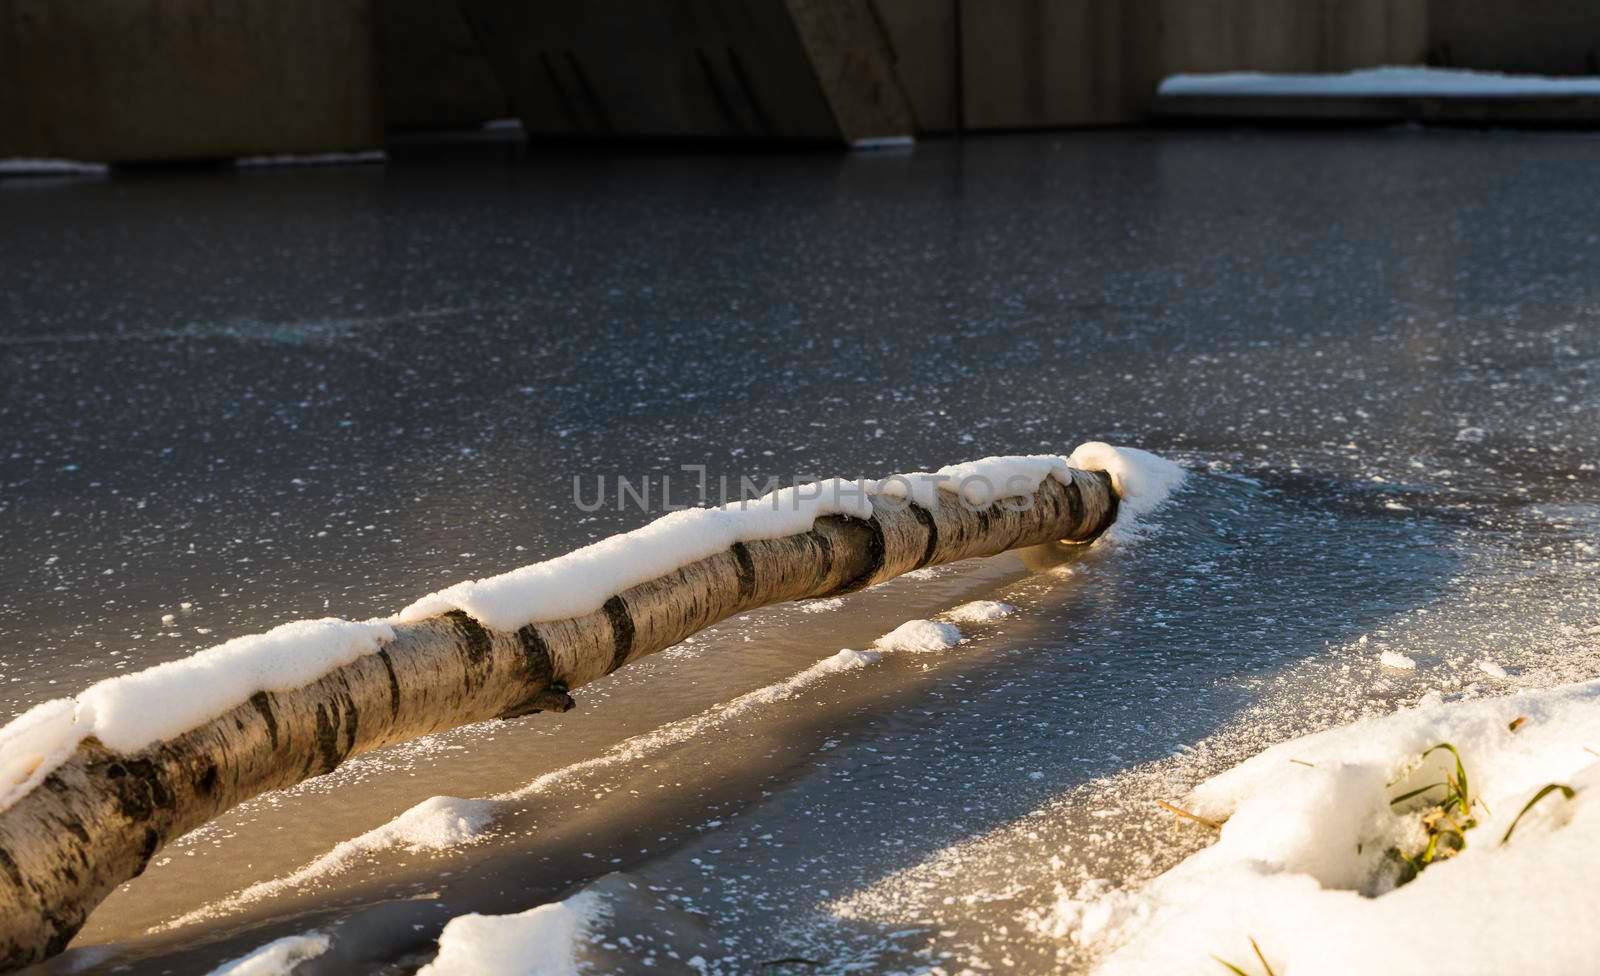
{"x":921,"y":636}
{"x":1301,"y":864}
{"x":1381,"y":82}
{"x":131,"y":711}
{"x":542,"y":941}
{"x":980,"y":612}
{"x":277,"y":958}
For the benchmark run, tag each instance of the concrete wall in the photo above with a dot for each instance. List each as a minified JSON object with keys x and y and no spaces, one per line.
{"x":435,"y":74}
{"x":130,"y":80}
{"x":1036,"y":63}
{"x":792,"y":70}
{"x":1291,"y":35}
{"x":925,"y":49}
{"x":1551,"y":37}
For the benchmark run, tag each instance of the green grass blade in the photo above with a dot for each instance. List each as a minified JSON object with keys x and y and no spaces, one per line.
{"x":1548,"y":789}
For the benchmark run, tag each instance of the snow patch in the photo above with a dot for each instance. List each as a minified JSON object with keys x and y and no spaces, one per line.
{"x":276,"y":958}
{"x":24,"y":166}
{"x":1396,"y":660}
{"x":980,"y":612}
{"x":1301,"y":864}
{"x":920,"y":636}
{"x":1391,"y":82}
{"x":542,"y":941}
{"x":1491,"y":669}
{"x":313,"y":159}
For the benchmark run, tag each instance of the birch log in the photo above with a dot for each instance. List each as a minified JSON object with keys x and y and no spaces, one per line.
{"x":96,"y":821}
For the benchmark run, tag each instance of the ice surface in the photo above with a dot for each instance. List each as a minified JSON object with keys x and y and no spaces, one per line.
{"x":442,"y":822}
{"x":276,"y":958}
{"x":1301,"y":864}
{"x":921,"y":636}
{"x":1388,"y":81}
{"x":542,"y":941}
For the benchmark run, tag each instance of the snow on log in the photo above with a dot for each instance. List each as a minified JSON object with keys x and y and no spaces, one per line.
{"x":92,"y":788}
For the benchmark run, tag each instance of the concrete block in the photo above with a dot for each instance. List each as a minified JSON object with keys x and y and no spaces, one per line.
{"x":435,"y":74}
{"x":187,"y":79}
{"x":793,"y":70}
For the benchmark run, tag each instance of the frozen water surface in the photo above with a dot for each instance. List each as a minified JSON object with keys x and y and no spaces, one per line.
{"x":238,"y":398}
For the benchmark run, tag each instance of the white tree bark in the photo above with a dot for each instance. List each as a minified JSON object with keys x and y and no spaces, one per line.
{"x":96,"y":821}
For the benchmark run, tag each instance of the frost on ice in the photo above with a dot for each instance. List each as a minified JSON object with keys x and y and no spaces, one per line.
{"x":1303,"y":864}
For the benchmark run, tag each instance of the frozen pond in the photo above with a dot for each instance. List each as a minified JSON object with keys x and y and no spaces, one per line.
{"x":278,"y":394}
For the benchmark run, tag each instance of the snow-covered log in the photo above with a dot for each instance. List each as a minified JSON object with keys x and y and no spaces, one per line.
{"x":92,"y":788}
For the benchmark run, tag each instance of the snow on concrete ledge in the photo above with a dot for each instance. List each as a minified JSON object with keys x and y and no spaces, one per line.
{"x":1302,"y":863}
{"x":1389,"y":82}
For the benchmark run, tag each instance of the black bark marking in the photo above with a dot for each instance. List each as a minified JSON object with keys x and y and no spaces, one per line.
{"x":621,"y":631}
{"x":394,"y":682}
{"x":475,"y":640}
{"x":352,"y":719}
{"x":207,"y":783}
{"x":1075,"y":507}
{"x":875,"y":547}
{"x":328,"y":738}
{"x":263,"y":705}
{"x":147,"y":850}
{"x":536,"y":656}
{"x":9,"y":865}
{"x":141,"y":791}
{"x":926,"y":518}
{"x":747,"y":571}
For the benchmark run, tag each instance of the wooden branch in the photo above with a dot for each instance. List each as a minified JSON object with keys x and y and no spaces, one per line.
{"x":98,"y":818}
